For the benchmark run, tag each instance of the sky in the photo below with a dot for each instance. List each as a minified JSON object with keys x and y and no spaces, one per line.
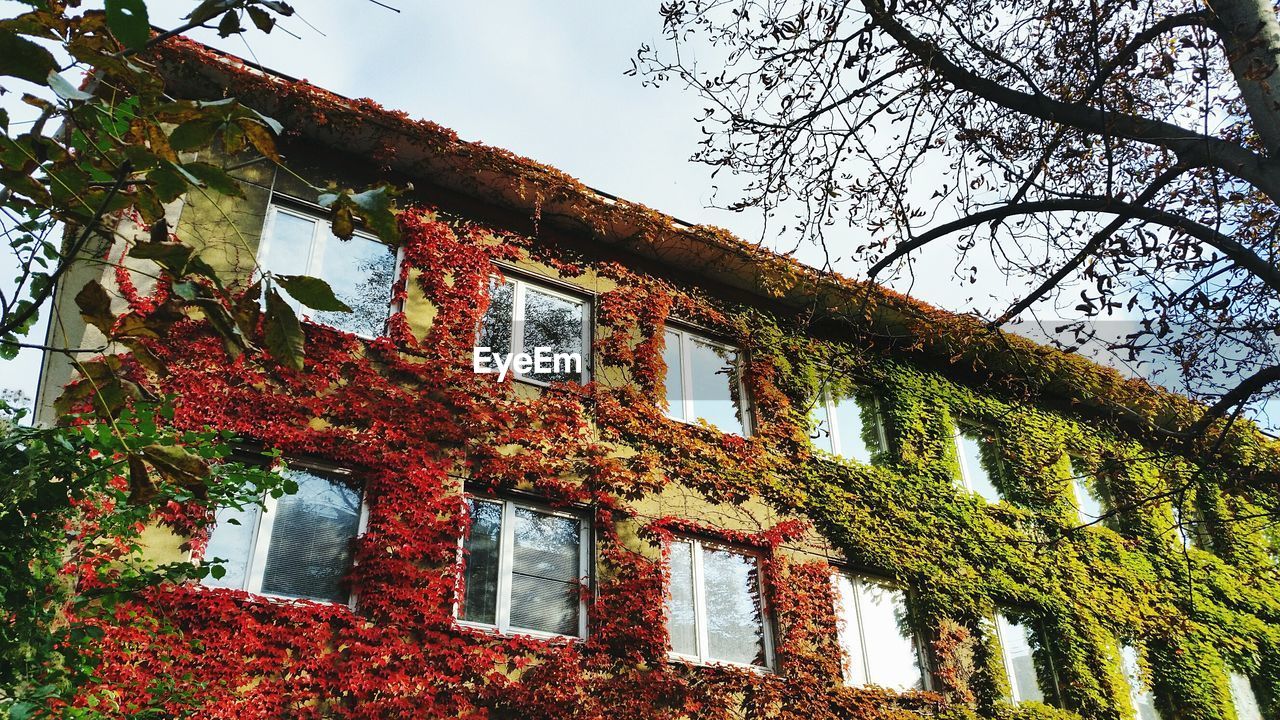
{"x":544,"y":80}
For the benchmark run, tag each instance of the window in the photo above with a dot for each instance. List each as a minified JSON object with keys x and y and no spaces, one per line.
{"x":879,"y":647}
{"x":704,"y":382}
{"x":1017,"y":645}
{"x":1089,"y":495}
{"x":360,"y":270}
{"x":975,"y":453}
{"x":1144,"y":703}
{"x":524,"y":568}
{"x":839,"y":426}
{"x":524,"y":316}
{"x":715,"y":610}
{"x":1242,"y":697}
{"x":296,"y":546}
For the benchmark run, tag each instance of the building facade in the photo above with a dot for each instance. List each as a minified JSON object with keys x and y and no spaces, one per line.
{"x":762,"y":493}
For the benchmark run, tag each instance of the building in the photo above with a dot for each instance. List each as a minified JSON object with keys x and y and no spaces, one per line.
{"x":764,"y":494}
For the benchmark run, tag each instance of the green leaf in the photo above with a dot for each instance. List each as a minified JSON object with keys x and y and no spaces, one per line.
{"x":284,"y":337}
{"x":169,"y":182}
{"x":312,"y":292}
{"x":217,"y":571}
{"x":195,"y":134}
{"x":374,"y":207}
{"x":24,"y":59}
{"x":176,"y":463}
{"x":128,"y":21}
{"x":64,"y":89}
{"x":213,"y":177}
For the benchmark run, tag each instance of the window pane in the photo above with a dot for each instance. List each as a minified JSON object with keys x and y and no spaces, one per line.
{"x":556,"y":324}
{"x":674,"y":359}
{"x":894,"y":659}
{"x":849,"y":630}
{"x":544,"y":572}
{"x":232,"y":543}
{"x":969,"y":444}
{"x":1088,"y":502}
{"x":360,"y":272}
{"x":310,"y":547}
{"x":495,"y":328}
{"x":480,"y":574}
{"x":734,"y":613}
{"x":680,"y":612}
{"x":1246,"y":702}
{"x":712,"y":374}
{"x":1015,"y":639}
{"x":821,"y":435}
{"x":288,"y":250}
{"x":849,"y":427}
{"x":1144,"y":703}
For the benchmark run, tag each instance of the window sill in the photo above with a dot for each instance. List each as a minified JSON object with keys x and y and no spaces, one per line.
{"x":708,"y":427}
{"x":261,"y":598}
{"x":695,"y":662}
{"x":486,"y":629}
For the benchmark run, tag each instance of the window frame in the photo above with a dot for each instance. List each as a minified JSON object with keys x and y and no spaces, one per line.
{"x":1135,"y":682}
{"x":315,"y":256}
{"x":917,"y":639}
{"x":1037,"y":627}
{"x":958,"y":425}
{"x":506,"y":553}
{"x":701,"y":641}
{"x":745,"y":406}
{"x":829,"y":404}
{"x":255,"y":568}
{"x":520,"y":281}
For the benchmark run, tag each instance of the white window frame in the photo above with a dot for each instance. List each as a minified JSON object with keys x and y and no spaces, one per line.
{"x":917,"y":641}
{"x":688,"y":415}
{"x":506,"y":555}
{"x":520,"y":286}
{"x":966,"y":474}
{"x":260,"y":540}
{"x":1235,"y":677}
{"x":701,"y":639}
{"x":1007,"y":661}
{"x":836,"y":447}
{"x":1137,"y":687}
{"x":315,"y":257}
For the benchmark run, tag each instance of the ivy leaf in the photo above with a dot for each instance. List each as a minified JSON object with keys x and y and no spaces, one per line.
{"x":128,"y":21}
{"x":283,"y":332}
{"x":24,"y":59}
{"x":312,"y":292}
{"x":64,"y":89}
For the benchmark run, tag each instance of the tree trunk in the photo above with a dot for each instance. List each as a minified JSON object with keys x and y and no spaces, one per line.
{"x":1251,"y":36}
